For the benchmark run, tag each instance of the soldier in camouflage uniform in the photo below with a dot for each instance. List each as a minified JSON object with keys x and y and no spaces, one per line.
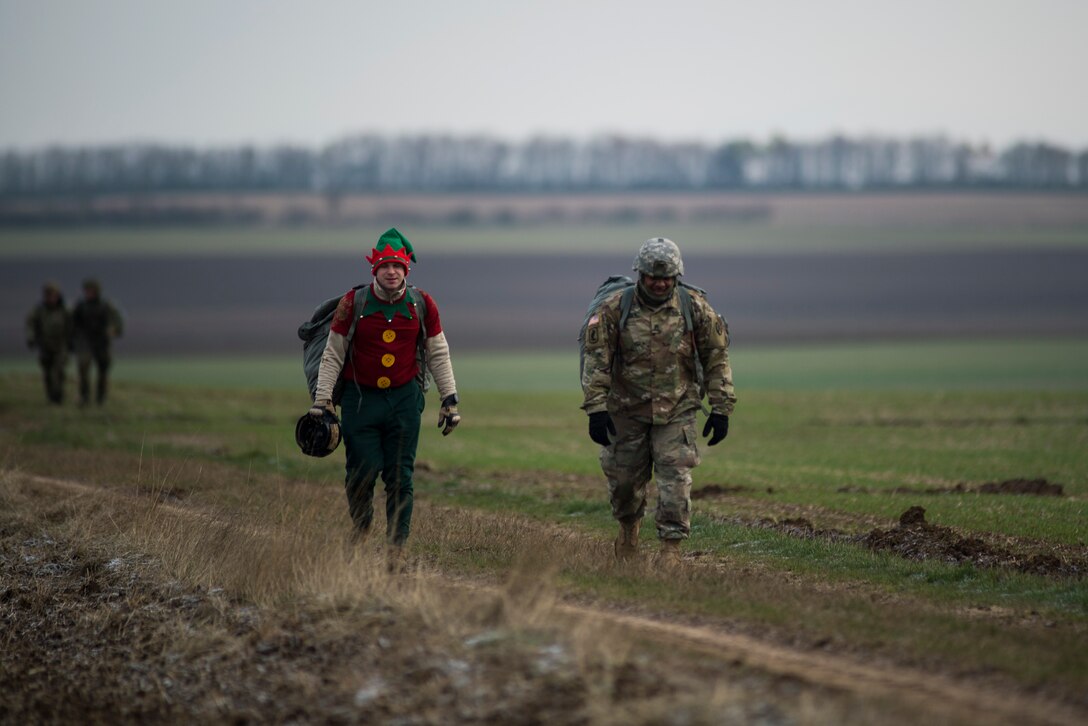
{"x":95,"y":323}
{"x":48,"y":327}
{"x":641,"y":393}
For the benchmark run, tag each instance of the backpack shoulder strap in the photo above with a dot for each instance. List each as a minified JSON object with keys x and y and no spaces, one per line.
{"x":361,"y":294}
{"x":625,"y":304}
{"x":415,"y":296}
{"x":685,"y":307}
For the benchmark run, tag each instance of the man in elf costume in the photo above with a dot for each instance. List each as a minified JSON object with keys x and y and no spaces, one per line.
{"x":397,"y":339}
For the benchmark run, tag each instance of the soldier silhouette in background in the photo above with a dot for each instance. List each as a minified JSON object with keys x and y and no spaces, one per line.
{"x":95,"y":323}
{"x":48,"y":329}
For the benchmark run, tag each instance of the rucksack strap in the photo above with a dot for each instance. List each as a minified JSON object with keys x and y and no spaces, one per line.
{"x":357,"y":311}
{"x":625,"y":304}
{"x":415,"y":296}
{"x":685,"y":306}
{"x":700,"y":374}
{"x":420,"y":304}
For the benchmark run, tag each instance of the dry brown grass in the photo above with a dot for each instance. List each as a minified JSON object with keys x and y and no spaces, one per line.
{"x":199,"y":612}
{"x":235,"y":573}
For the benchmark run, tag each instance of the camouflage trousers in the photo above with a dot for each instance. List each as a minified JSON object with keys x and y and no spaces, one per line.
{"x":99,"y":355}
{"x":640,"y":451}
{"x":53,"y":363}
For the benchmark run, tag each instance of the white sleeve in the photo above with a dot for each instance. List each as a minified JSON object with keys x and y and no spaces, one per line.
{"x":332,"y":362}
{"x":438,"y":362}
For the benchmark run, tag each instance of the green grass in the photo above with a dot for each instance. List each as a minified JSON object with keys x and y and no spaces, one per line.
{"x":803,"y":436}
{"x":824,"y":432}
{"x":758,"y":238}
{"x":1015,"y":365}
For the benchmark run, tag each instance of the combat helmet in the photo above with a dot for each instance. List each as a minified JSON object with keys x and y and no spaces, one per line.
{"x":659,"y":257}
{"x":318,"y":436}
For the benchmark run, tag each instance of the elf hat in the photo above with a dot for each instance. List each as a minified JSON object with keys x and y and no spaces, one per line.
{"x":392,"y":247}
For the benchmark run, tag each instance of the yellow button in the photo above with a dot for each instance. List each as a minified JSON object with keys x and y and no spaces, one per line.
{"x":384,"y":382}
{"x":388,"y":360}
{"x":389,"y":336}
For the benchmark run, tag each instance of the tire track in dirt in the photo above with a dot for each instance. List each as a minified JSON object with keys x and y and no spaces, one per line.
{"x":932,"y":693}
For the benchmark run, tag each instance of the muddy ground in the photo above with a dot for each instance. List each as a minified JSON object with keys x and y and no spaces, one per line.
{"x":98,"y":633}
{"x":104,"y":637}
{"x":912,"y":537}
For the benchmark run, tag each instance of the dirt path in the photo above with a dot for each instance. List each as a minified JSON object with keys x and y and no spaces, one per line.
{"x":939,"y":696}
{"x":928,"y":692}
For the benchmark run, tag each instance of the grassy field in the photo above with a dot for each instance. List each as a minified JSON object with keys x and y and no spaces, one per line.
{"x":1022,"y":365}
{"x":827,"y":445}
{"x":700,"y":222}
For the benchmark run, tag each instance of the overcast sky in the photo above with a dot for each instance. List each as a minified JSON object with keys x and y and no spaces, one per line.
{"x":212,"y":72}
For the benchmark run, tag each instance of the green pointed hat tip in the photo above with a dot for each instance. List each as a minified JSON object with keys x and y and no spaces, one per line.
{"x":393,"y":239}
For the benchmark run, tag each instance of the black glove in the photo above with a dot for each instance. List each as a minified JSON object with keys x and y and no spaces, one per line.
{"x":600,"y":427}
{"x":719,"y":423}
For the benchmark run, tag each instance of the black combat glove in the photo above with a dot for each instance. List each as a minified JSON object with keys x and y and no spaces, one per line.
{"x":600,"y":427}
{"x":719,"y":423}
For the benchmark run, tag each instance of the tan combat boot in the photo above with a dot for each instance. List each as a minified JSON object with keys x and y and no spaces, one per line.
{"x":670,"y":552}
{"x":626,"y":545}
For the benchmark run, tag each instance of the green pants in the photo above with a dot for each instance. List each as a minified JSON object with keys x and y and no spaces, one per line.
{"x":380,"y":429}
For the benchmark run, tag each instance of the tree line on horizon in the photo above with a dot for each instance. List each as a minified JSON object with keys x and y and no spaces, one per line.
{"x":445,"y":163}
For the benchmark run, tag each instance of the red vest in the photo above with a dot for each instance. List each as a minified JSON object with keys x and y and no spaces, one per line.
{"x":383,"y":353}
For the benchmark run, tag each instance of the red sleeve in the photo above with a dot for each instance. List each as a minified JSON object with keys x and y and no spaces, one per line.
{"x":431,"y":319}
{"x":341,"y":319}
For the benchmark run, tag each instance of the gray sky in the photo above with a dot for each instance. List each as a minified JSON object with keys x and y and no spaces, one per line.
{"x":210,"y":72}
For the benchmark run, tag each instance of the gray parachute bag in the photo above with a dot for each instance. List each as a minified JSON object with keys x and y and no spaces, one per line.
{"x":314,"y":333}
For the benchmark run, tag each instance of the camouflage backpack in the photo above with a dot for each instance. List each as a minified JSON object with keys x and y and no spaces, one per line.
{"x":627,"y":285}
{"x":314,"y":333}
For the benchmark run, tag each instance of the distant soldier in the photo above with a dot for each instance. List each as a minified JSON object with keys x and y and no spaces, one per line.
{"x":95,"y":323}
{"x":48,"y":328}
{"x":641,"y":388}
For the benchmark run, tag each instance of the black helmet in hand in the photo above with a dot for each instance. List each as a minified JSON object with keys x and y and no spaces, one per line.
{"x":318,"y":435}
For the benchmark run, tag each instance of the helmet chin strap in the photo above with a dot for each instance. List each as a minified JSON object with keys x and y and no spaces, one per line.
{"x":651,"y":298}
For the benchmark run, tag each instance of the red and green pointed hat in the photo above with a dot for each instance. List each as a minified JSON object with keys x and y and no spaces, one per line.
{"x":392,"y":247}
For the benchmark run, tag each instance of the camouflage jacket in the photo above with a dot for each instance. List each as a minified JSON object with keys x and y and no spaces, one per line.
{"x":647,"y":370}
{"x":48,"y":328}
{"x":95,"y":323}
